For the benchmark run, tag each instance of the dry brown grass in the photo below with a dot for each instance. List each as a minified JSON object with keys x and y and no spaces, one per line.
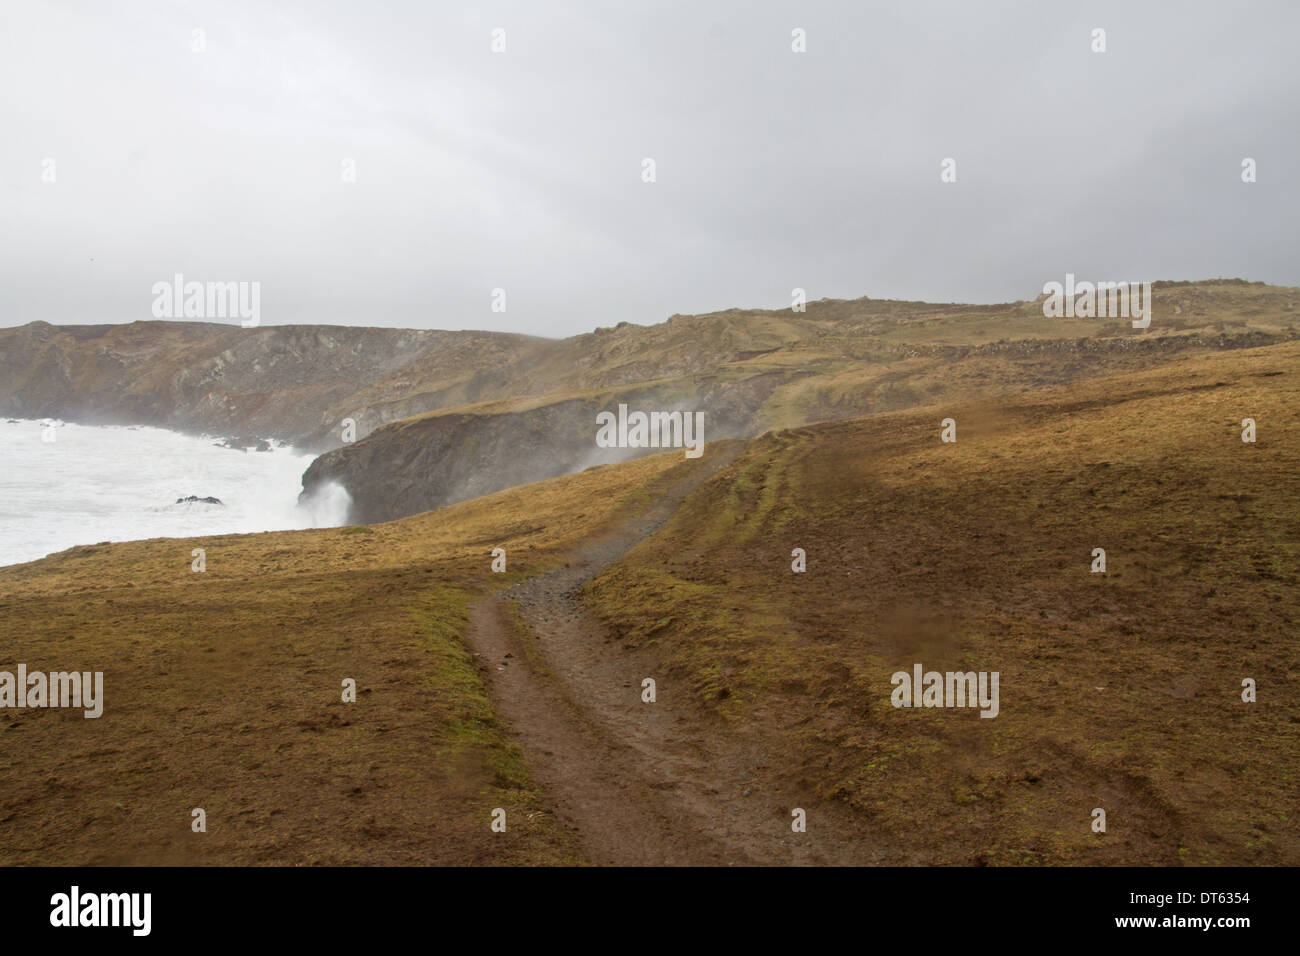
{"x":1119,"y":691}
{"x":223,"y":691}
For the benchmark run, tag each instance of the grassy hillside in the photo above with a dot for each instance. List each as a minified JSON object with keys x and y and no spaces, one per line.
{"x":1119,"y":690}
{"x":299,"y":383}
{"x":223,"y":691}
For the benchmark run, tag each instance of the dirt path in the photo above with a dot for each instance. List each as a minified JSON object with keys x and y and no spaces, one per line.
{"x":662,"y":783}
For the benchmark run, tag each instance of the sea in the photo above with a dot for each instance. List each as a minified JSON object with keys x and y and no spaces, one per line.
{"x":63,"y":485}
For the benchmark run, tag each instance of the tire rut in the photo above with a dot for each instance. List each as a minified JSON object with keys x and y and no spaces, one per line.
{"x":662,"y":783}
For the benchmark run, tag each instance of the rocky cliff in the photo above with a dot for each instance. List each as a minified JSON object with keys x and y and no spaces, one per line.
{"x":294,"y":383}
{"x":443,"y":416}
{"x":442,"y":457}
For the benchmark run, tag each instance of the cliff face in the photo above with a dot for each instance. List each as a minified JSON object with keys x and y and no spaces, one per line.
{"x":444,"y":457}
{"x":431,"y":460}
{"x":298,"y":383}
{"x":443,"y":416}
{"x":295,"y":383}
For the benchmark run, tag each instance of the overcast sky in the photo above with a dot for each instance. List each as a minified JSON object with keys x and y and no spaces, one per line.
{"x":523,"y":169}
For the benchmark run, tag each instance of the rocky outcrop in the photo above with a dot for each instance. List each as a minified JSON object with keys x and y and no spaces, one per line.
{"x":293,"y":383}
{"x":247,"y":443}
{"x":444,"y":457}
{"x":432,"y":460}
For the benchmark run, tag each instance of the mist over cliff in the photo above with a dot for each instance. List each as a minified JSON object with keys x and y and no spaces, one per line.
{"x":409,"y":420}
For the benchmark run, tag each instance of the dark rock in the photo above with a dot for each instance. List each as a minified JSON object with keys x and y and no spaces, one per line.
{"x":420,"y":464}
{"x":197,"y":500}
{"x":243,"y":444}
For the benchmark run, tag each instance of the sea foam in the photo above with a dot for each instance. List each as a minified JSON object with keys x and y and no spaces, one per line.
{"x":63,"y":485}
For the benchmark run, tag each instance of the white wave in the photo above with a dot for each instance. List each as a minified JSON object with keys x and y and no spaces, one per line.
{"x":92,"y":484}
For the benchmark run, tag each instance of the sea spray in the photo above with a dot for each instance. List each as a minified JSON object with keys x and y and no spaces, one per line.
{"x":94,"y":484}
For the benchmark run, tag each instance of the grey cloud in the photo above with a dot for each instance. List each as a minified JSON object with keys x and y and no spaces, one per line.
{"x":522,"y":170}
